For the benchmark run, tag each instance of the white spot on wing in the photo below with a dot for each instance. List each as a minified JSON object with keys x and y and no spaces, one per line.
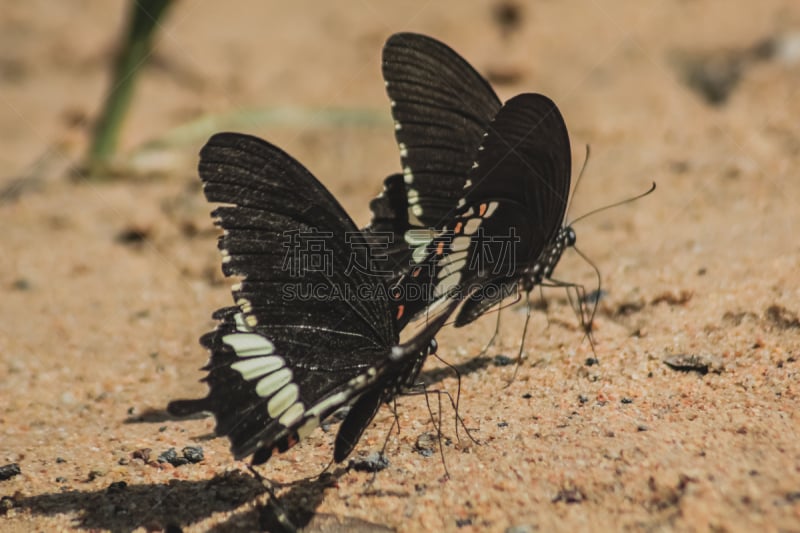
{"x":308,"y":426}
{"x":244,"y":304}
{"x":335,"y":400}
{"x":241,"y":324}
{"x":249,"y":344}
{"x":358,"y":381}
{"x":282,"y":400}
{"x":451,"y":268}
{"x":416,"y":209}
{"x":417,"y":237}
{"x":420,"y":253}
{"x":408,"y":176}
{"x":472,"y":226}
{"x":255,"y":367}
{"x":446,"y":285}
{"x":413,"y":219}
{"x":460,"y":244}
{"x":403,"y":150}
{"x":274,"y":382}
{"x":452,"y":258}
{"x":491,"y":209}
{"x":292,"y":415}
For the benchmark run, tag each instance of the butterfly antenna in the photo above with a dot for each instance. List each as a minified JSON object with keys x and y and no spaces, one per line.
{"x":580,"y":176}
{"x":615,"y":204}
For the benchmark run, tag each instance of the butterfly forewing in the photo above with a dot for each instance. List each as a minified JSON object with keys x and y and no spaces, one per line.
{"x":441,"y":107}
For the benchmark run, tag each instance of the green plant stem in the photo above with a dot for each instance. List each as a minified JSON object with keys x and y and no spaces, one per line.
{"x":143,"y":23}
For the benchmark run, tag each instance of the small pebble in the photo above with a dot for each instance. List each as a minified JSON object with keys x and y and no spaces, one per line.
{"x":193,"y":454}
{"x":117,"y":487}
{"x":374,"y":462}
{"x":6,"y":504}
{"x":171,"y":456}
{"x":8,"y":471}
{"x":503,"y":360}
{"x":143,"y":454}
{"x":425,"y":444}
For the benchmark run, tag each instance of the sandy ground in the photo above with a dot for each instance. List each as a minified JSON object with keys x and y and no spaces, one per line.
{"x":99,"y":328}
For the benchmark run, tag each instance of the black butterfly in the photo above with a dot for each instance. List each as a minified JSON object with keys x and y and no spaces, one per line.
{"x":281,"y":363}
{"x":443,"y":109}
{"x":506,"y":233}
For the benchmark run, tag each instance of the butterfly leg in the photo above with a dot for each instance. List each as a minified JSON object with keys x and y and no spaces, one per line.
{"x":578,"y":301}
{"x":438,"y":424}
{"x":522,"y":342}
{"x":494,"y":336}
{"x":457,"y":402}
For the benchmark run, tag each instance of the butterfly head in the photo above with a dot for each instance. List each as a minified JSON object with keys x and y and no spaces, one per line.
{"x":432,"y":347}
{"x":567,"y":236}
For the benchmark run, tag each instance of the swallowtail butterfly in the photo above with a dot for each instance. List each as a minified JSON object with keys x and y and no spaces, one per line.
{"x":443,"y":110}
{"x":280,"y":364}
{"x":506,"y":232}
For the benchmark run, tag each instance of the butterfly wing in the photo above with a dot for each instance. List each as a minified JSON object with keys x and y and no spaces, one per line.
{"x":283,"y":359}
{"x":512,"y":208}
{"x":441,"y":108}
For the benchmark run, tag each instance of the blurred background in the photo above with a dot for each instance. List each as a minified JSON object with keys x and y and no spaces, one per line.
{"x":109,"y":271}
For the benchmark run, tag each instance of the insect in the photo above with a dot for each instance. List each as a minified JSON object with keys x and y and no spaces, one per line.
{"x":443,"y":112}
{"x":443,"y":109}
{"x":506,"y":231}
{"x":281,"y":363}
